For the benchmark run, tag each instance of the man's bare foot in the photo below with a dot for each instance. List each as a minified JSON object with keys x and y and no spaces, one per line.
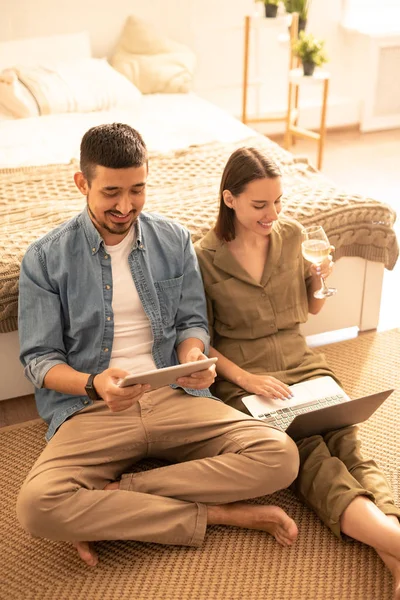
{"x":85,"y":550}
{"x":271,"y":519}
{"x":87,"y":553}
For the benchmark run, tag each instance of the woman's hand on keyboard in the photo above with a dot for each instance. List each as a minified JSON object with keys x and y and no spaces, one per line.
{"x":264,"y":385}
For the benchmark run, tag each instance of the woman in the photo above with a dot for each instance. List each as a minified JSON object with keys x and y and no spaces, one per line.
{"x":259,"y":290}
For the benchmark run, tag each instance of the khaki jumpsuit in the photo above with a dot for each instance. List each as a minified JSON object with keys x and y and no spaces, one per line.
{"x":256,"y":326}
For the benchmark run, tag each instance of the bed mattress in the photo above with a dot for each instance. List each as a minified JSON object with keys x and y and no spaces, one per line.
{"x":166,"y":122}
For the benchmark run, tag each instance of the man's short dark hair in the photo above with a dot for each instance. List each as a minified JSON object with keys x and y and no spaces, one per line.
{"x":115,"y":146}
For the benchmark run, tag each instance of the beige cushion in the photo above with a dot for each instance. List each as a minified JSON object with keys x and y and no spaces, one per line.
{"x":153,"y":62}
{"x":15,"y":98}
{"x":84,"y":85}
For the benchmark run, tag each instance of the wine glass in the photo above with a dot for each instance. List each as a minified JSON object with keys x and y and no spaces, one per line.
{"x":315,"y":248}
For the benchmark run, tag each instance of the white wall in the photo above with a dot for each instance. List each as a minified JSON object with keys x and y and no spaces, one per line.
{"x":214,"y":30}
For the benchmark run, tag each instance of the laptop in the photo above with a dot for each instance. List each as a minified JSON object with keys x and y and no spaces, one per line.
{"x":318,"y":405}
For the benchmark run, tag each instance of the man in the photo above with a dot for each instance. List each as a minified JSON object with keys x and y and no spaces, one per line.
{"x":114,"y":291}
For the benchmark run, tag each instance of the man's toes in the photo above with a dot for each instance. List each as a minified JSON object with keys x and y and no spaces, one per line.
{"x":287,"y":531}
{"x":86,"y":553}
{"x":292,"y":531}
{"x":114,"y":485}
{"x":282,"y":540}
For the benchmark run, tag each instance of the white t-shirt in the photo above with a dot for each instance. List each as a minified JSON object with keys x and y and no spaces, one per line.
{"x":133,"y":337}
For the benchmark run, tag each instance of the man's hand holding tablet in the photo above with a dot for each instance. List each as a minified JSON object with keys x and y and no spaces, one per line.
{"x":202,"y":379}
{"x":119,"y":390}
{"x":198,"y":374}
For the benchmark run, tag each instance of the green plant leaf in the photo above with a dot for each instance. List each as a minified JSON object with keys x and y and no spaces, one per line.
{"x":299,"y":6}
{"x":310,"y":49}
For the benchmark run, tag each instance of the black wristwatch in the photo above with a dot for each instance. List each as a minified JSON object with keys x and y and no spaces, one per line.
{"x":90,"y":389}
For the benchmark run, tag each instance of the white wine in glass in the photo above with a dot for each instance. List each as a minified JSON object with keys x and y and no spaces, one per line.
{"x":315,"y":248}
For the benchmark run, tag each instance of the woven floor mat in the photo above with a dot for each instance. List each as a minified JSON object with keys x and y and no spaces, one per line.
{"x":232,"y":564}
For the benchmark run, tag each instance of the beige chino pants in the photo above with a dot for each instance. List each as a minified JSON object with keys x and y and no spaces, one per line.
{"x":220,"y":456}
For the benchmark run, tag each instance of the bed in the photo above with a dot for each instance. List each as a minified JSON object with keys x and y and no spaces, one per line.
{"x":189,"y":140}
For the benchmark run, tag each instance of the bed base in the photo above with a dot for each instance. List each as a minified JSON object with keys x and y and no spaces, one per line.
{"x":359,"y":285}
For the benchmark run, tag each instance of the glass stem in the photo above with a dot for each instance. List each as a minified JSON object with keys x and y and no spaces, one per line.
{"x":324,"y":286}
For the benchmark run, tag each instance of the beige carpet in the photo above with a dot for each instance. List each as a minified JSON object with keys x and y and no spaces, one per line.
{"x":232,"y":564}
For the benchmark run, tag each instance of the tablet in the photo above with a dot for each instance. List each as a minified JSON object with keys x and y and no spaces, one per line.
{"x":161,"y":377}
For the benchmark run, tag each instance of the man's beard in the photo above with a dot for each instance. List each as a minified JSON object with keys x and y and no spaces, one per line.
{"x":117,"y":231}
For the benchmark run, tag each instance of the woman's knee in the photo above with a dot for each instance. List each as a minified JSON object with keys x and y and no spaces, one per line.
{"x":345,"y":444}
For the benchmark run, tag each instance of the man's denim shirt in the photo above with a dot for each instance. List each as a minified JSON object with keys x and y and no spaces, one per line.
{"x":65,"y":303}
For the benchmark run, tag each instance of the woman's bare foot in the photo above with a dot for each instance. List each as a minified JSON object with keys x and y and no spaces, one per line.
{"x":395,"y":570}
{"x":365,"y":522}
{"x":397,"y":587}
{"x":392,"y":562}
{"x":271,"y":519}
{"x":87,"y":553}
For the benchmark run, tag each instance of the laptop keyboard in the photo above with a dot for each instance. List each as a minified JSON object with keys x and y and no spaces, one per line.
{"x":284,"y":416}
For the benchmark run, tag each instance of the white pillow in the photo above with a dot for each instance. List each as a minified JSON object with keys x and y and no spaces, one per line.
{"x":152,"y":61}
{"x":85,"y":85}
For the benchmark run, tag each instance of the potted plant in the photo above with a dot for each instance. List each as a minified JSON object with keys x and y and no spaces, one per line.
{"x":301,"y":7}
{"x":271,"y":8}
{"x":310,"y":51}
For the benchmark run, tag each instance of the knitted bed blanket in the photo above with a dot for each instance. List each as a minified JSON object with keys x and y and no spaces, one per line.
{"x":183,"y":185}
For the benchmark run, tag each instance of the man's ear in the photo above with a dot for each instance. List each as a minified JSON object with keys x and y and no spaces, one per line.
{"x":81,"y":183}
